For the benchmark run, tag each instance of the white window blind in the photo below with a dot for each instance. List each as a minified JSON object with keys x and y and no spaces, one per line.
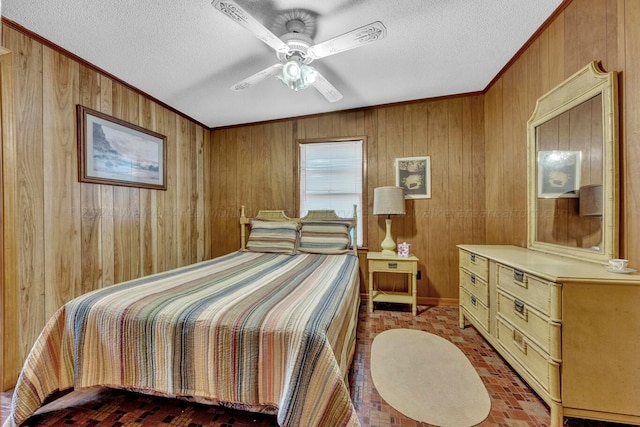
{"x":331,"y":178}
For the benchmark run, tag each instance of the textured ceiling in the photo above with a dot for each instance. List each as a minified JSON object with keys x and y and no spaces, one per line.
{"x":187,"y":54}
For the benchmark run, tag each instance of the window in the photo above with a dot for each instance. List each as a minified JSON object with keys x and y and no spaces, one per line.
{"x":331,"y":177}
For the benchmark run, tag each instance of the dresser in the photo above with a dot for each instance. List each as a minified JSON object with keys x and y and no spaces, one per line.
{"x":570,"y":328}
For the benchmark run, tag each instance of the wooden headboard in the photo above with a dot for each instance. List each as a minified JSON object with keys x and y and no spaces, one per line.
{"x":279,"y":215}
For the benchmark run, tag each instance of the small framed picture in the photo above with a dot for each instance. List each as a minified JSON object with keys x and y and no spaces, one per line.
{"x":559,"y":174}
{"x":112,"y":151}
{"x":414,"y":175}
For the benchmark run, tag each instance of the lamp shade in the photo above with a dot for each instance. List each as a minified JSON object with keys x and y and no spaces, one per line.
{"x":388,"y":201}
{"x":590,"y":200}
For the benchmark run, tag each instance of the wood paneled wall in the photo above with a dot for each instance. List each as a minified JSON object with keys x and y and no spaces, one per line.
{"x":8,"y":237}
{"x":256,"y":169}
{"x":75,"y":237}
{"x":587,"y":30}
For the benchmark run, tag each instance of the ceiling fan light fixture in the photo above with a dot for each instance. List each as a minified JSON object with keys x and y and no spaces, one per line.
{"x":297,"y":75}
{"x":308,"y":74}
{"x":292,"y":70}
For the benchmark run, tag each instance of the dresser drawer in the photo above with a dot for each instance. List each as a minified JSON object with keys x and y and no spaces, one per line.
{"x":474,"y":263}
{"x":475,"y":308}
{"x":475,"y":285}
{"x":531,"y":322}
{"x":392,"y":266}
{"x":530,"y":289}
{"x":536,"y":362}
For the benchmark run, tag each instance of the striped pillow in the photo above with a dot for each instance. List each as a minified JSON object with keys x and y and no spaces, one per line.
{"x":325,"y":237}
{"x":273,"y":237}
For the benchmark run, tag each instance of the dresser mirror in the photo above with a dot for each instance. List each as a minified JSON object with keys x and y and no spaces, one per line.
{"x":572,"y":143}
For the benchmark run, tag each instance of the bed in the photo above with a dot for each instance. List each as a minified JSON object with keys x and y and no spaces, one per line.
{"x":269,"y":328}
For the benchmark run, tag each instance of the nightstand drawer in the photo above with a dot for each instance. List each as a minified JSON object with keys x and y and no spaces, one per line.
{"x":393,"y":266}
{"x":474,"y":263}
{"x":475,"y":285}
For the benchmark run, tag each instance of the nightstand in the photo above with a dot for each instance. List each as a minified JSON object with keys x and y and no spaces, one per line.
{"x":382,"y":263}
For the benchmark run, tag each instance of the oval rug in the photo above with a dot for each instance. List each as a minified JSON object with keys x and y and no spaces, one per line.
{"x":428,"y":378}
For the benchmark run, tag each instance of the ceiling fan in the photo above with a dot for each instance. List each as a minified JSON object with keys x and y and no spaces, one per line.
{"x":295,"y":49}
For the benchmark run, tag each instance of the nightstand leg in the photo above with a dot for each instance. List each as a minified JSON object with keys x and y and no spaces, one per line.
{"x":370,"y":299}
{"x":414,"y":303}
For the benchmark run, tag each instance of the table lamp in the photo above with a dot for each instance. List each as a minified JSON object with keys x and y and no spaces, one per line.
{"x":590,"y":200}
{"x":388,"y":201}
{"x":590,"y":205}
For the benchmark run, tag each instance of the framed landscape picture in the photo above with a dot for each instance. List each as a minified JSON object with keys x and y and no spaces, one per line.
{"x":413,"y":174}
{"x":559,"y":173}
{"x":112,"y":151}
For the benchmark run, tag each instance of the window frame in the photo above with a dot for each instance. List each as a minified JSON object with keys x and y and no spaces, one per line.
{"x":362,"y":221}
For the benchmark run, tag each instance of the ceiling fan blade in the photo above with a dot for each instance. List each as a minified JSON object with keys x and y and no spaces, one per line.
{"x":326,"y":88}
{"x":360,"y":36}
{"x":238,"y":14}
{"x":257,"y":77}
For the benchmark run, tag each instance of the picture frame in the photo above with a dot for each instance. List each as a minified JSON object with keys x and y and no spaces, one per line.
{"x":413,"y":174}
{"x":114,"y":152}
{"x":559,"y":174}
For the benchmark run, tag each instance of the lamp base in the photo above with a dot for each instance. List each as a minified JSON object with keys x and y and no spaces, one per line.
{"x":388,"y":245}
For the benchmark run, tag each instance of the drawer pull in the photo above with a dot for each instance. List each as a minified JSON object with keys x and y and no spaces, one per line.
{"x":518,"y":340}
{"x":473,"y":279}
{"x":473,"y":299}
{"x":393,"y":265}
{"x":472,"y":257}
{"x":519,"y":278}
{"x":518,"y":307}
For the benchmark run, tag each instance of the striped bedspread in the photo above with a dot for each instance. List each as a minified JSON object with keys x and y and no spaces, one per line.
{"x":255,"y":329}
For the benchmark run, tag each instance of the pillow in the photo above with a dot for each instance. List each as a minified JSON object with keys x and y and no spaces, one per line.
{"x":325,"y":237}
{"x":273,"y":237}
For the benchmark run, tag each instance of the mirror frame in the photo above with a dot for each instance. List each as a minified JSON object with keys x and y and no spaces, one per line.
{"x":582,"y":86}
